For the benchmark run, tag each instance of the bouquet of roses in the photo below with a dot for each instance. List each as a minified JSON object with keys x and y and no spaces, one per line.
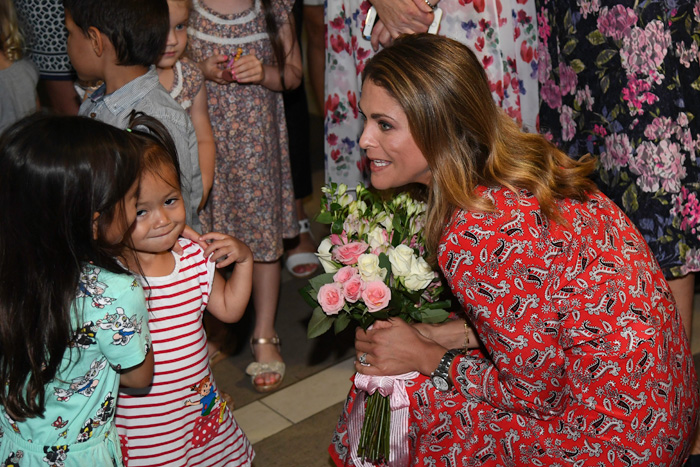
{"x":374,"y":269}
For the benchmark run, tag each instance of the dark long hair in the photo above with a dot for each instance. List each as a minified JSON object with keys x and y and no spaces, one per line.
{"x":55,"y":174}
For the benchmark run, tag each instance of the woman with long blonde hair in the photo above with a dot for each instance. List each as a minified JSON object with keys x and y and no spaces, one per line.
{"x":569,"y":348}
{"x":18,"y":76}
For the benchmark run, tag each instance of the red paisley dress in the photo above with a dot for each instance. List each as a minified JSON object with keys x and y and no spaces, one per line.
{"x":584,"y":362}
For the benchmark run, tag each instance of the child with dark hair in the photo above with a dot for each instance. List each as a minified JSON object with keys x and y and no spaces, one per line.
{"x":73,"y":323}
{"x":119,"y":41}
{"x":182,"y":418}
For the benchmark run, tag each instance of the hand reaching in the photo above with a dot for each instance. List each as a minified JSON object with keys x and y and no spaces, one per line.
{"x":225,"y":250}
{"x":400,"y":17}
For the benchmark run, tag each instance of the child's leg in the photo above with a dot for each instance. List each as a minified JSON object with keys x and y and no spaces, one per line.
{"x":266,"y":288}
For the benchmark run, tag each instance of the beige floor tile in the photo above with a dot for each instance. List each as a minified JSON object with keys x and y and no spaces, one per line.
{"x":313,"y":394}
{"x":259,"y":421}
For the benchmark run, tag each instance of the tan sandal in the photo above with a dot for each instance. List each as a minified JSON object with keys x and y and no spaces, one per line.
{"x":256,"y":369}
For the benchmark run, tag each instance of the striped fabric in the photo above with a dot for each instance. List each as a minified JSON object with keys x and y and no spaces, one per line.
{"x":180,"y":420}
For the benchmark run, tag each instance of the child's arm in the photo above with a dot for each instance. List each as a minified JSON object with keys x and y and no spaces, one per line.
{"x":229,"y":298}
{"x":249,"y":69}
{"x":211,"y":69}
{"x":205,"y":141}
{"x":139,"y":376}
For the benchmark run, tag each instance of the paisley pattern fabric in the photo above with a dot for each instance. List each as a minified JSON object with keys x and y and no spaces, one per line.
{"x":502,"y":33}
{"x":584,"y":361}
{"x":621,"y":80}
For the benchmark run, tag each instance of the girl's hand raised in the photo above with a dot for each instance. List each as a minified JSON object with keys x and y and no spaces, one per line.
{"x":213,"y":70}
{"x":225,"y":250}
{"x":249,"y":69}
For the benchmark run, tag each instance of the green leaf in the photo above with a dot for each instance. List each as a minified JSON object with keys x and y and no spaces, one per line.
{"x":324,"y":217}
{"x":434,"y":316}
{"x":322,"y":279}
{"x":319,"y":323}
{"x":604,"y":57}
{"x":570,"y":46}
{"x":577,"y":65}
{"x":337,"y":227}
{"x":595,"y":38}
{"x":605,"y":83}
{"x":385,"y":263}
{"x":696,"y":84}
{"x":341,"y":322}
{"x":629,"y":199}
{"x":309,"y":295}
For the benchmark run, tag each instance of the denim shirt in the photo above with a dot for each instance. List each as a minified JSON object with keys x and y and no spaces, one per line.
{"x":145,"y":94}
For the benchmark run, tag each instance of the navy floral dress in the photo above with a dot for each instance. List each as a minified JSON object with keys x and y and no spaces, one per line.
{"x":621,"y":80}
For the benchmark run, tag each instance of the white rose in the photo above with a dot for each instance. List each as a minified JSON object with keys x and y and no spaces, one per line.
{"x":378,"y":239}
{"x":401,"y":259}
{"x":368,"y":265}
{"x":324,"y":255}
{"x":420,"y":277}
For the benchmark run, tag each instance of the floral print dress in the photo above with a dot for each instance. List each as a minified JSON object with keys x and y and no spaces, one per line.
{"x":252,"y":196}
{"x":621,"y":80}
{"x":502,"y":33}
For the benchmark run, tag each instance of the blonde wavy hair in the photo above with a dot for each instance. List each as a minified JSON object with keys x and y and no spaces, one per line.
{"x":467,"y":140}
{"x":11,"y":40}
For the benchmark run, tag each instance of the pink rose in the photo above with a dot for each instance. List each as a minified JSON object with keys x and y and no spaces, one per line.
{"x":348,"y":254}
{"x":352,"y":289}
{"x":344,"y":274}
{"x":330,"y":297}
{"x":376,"y":295}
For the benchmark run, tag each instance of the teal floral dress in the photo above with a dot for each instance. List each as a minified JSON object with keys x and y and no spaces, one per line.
{"x":621,"y":80}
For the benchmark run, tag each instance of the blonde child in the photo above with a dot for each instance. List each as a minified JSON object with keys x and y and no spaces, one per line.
{"x":73,"y":324}
{"x":18,"y":75}
{"x":164,"y":424}
{"x":185,"y":83}
{"x":252,"y":196}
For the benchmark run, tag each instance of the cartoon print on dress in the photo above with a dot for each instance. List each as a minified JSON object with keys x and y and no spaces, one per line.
{"x":209,"y":398}
{"x":103,"y":416}
{"x":207,"y":426}
{"x":124,"y":327}
{"x":12,"y":422}
{"x":84,"y":385}
{"x":90,"y":286}
{"x":13,"y":459}
{"x":85,"y":336}
{"x":59,"y":423}
{"x":55,"y":455}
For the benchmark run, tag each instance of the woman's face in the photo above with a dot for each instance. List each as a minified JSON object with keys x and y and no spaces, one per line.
{"x":395,"y":159}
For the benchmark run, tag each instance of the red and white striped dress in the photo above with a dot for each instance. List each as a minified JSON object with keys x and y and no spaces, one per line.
{"x":180,"y":420}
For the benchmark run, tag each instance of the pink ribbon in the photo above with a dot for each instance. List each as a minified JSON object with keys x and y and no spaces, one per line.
{"x":394,"y":388}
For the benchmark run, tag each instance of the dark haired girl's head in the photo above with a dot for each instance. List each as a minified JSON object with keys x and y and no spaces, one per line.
{"x":63,"y":184}
{"x":159,"y":154}
{"x":138,"y":29}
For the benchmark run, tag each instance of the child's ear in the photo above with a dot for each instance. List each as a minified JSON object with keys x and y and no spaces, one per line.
{"x":97,"y":40}
{"x":94,"y":225}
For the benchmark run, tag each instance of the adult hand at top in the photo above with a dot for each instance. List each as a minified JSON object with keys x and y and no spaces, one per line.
{"x":398,"y":17}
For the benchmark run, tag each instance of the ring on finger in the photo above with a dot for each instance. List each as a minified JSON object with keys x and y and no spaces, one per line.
{"x":363,"y":359}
